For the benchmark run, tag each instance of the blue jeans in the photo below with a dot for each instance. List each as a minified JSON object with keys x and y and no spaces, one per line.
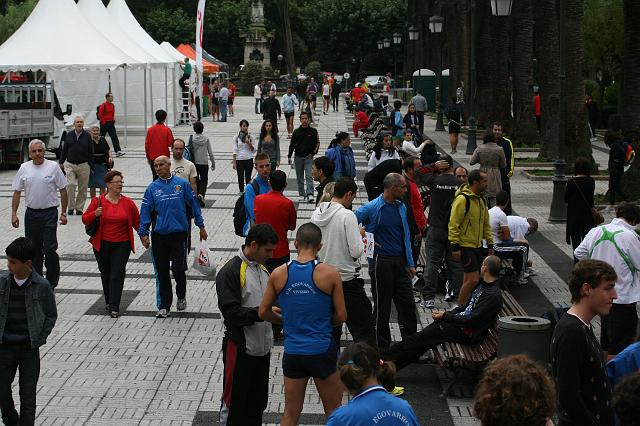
{"x":303,"y":173}
{"x":223,"y":110}
{"x":258,"y":105}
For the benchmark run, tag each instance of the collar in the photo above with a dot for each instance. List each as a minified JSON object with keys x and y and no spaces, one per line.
{"x":245,"y":259}
{"x":369,"y":390}
{"x":621,"y":222}
{"x":76,"y":132}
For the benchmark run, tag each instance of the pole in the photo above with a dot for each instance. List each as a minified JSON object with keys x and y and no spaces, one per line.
{"x":173,"y":95}
{"x":151,"y":91}
{"x":439,"y":123}
{"x":166,"y":91}
{"x":126,"y":121}
{"x":558,"y":211}
{"x":145,"y":97}
{"x":471,"y":133}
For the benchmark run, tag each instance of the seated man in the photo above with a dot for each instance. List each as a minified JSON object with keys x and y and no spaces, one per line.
{"x":466,"y":324}
{"x":361,"y":122}
{"x":520,"y":227}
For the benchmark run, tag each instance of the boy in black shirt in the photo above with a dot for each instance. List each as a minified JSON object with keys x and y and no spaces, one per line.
{"x":584,"y":392}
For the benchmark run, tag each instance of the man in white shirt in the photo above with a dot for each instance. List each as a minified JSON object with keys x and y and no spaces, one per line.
{"x":618,"y":244}
{"x":505,"y":245}
{"x":257,"y":95}
{"x":223,"y":98}
{"x":520,"y":227}
{"x":41,"y":179}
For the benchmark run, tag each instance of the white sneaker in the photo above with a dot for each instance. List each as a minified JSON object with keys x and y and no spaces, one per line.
{"x":182,"y":304}
{"x":532,"y":271}
{"x":428,"y":304}
{"x":120,"y":153}
{"x":162,"y":313}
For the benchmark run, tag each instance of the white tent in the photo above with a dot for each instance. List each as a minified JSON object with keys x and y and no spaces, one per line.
{"x":175,"y":53}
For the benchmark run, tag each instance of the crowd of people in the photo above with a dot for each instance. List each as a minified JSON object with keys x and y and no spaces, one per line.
{"x":264,"y":294}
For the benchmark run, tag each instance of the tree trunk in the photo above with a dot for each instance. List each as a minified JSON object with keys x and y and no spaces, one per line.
{"x":486,"y":69}
{"x":523,"y":129}
{"x":288,"y":41}
{"x":548,"y":57}
{"x":457,"y":41}
{"x":631,"y":97}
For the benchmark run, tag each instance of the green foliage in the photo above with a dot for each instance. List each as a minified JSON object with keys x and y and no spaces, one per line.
{"x":592,"y":88}
{"x":313,"y":69}
{"x":268,"y":72}
{"x":250,"y":75}
{"x":224,"y":21}
{"x":171,"y":25}
{"x":603,"y":28}
{"x":14,"y":17}
{"x":611,"y":94}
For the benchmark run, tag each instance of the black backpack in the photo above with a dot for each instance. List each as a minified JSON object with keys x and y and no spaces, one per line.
{"x":240,"y":211}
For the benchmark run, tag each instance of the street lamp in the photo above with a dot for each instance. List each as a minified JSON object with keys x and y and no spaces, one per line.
{"x":501,"y":7}
{"x":380,"y":45}
{"x":386,"y":42}
{"x":414,"y":34}
{"x":280,"y":58}
{"x":435,"y":26}
{"x":397,"y":38}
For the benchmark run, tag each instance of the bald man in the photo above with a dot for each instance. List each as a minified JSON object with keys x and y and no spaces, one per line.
{"x":165,"y":200}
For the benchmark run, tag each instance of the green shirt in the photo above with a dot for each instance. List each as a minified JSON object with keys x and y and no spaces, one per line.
{"x":187,"y":68}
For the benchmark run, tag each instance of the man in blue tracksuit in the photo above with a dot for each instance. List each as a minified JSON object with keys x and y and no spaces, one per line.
{"x":164,"y":206}
{"x":392,"y":267}
{"x":261,"y":183}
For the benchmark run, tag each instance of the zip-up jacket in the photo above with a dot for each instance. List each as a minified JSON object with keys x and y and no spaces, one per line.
{"x":165,"y":205}
{"x":106,"y":112}
{"x":470,"y":228}
{"x":369,"y":215}
{"x":240,"y":285}
{"x":40,"y":307}
{"x":507,"y":147}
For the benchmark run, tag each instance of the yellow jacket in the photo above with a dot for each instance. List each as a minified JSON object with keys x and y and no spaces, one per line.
{"x":469,"y":220}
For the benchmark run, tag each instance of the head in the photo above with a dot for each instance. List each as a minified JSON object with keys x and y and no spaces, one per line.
{"x":162,"y":165}
{"x":408,"y":135}
{"x":449,"y":160}
{"x":488,"y":136}
{"x":114,"y":181}
{"x":272,"y":93}
{"x":359,"y":363}
{"x":178,"y":148}
{"x":186,"y":60}
{"x":78,"y":123}
{"x":409,"y":166}
{"x":322,"y":168}
{"x":412,"y":108}
{"x":629,"y":212}
{"x":267,"y":128}
{"x":397,"y":104}
{"x":94,"y":131}
{"x":263,"y":165}
{"x":289,"y":90}
{"x":612,"y":135}
{"x":260,"y":242}
{"x":161,"y":115}
{"x":461,"y":173}
{"x":304,"y":117}
{"x":496,"y":127}
{"x":478,"y":181}
{"x":533,"y":225}
{"x":278,"y":180}
{"x":327,"y":193}
{"x":395,"y":186}
{"x":109,"y":97}
{"x":592,"y":284}
{"x":515,"y":391}
{"x":344,"y":191}
{"x":244,"y":126}
{"x":198,"y":127}
{"x":20,"y":253}
{"x":490,"y":269}
{"x":308,"y":237}
{"x":626,"y":400}
{"x":36,"y":151}
{"x":343,"y":139}
{"x":502,"y":199}
{"x":385,"y":141}
{"x":582,"y":166}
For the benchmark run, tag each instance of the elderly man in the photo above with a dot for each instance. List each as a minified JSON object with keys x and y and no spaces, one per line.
{"x":76,"y":160}
{"x":40,"y":179}
{"x":165,"y":200}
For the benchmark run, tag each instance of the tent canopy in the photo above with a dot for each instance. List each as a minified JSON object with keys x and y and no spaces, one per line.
{"x":207,"y":66}
{"x":178,"y":56}
{"x":209,"y":57}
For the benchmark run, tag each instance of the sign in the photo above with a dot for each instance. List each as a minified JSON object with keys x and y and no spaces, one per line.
{"x":346,"y":76}
{"x":199,"y":31}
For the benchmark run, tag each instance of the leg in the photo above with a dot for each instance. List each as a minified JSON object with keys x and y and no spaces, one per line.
{"x":8,"y":368}
{"x":436,"y":250}
{"x":102,"y":258}
{"x":294,"y":391}
{"x":154,"y":175}
{"x":454,"y":272}
{"x":240,"y":174}
{"x":308,"y":163}
{"x":403,"y":300}
{"x":203,"y":178}
{"x":118,"y":264}
{"x":111,"y":129}
{"x":469,"y":282}
{"x":248,"y":168}
{"x":28,"y":381}
{"x":34,"y":230}
{"x":299,"y":165}
{"x":72,"y":183}
{"x":178,"y":256}
{"x":506,"y":186}
{"x":471,"y":262}
{"x":618,"y":187}
{"x":330,"y":391}
{"x":452,"y":140}
{"x":50,"y":247}
{"x":160,"y":249}
{"x":83,"y":182}
{"x":381,"y":288}
{"x":359,"y":319}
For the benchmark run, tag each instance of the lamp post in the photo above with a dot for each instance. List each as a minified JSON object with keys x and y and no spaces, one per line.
{"x":397,"y":39}
{"x":435,"y":26}
{"x":414,"y":35}
{"x":280,"y":58}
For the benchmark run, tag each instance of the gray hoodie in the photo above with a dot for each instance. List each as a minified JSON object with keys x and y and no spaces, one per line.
{"x":342,"y":244}
{"x":202,"y":147}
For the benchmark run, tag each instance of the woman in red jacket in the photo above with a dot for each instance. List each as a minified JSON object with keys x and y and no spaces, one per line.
{"x":113,"y":242}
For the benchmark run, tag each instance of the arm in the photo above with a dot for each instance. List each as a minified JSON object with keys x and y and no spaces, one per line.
{"x":512,"y":159}
{"x":315,"y":152}
{"x":292,"y":217}
{"x":135,"y":216}
{"x":50,"y":311}
{"x":65,"y":149}
{"x":249,"y":198}
{"x":279,"y":109}
{"x":418,"y":208}
{"x":90,"y":150}
{"x":483,"y":312}
{"x":190,"y":198}
{"x":90,"y":214}
{"x":292,"y":144}
{"x":64,"y":201}
{"x":259,"y":149}
{"x":488,"y":235}
{"x":147,"y":144}
{"x":354,"y":239}
{"x":372,"y":161}
{"x":503,"y":162}
{"x":408,"y":240}
{"x":230,"y":300}
{"x":212,"y":158}
{"x":146,"y":208}
{"x":265,"y":312}
{"x":474,"y":158}
{"x":277,"y":142}
{"x":15,"y":203}
{"x":337,"y":296}
{"x":455,"y":220}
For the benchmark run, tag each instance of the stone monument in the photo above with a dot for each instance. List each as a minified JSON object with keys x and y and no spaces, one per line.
{"x":257,"y":39}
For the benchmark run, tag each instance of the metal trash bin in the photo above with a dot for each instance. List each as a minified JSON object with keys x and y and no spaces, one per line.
{"x":524,"y":335}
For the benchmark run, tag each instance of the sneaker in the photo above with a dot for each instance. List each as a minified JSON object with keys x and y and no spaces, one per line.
{"x":70,"y":212}
{"x":120,"y":153}
{"x":310,"y":199}
{"x":428,"y":304}
{"x":201,"y":200}
{"x":79,"y":212}
{"x":532,"y":271}
{"x":610,"y":209}
{"x":182,"y":304}
{"x":303,"y":199}
{"x":416,"y":298}
{"x":449,"y":297}
{"x":162,"y":313}
{"x":523,"y":280}
{"x":397,"y":391}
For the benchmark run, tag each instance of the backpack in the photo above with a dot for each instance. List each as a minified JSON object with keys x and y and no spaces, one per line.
{"x":240,"y":211}
{"x":188,"y":150}
{"x":98,"y":112}
{"x":629,"y":153}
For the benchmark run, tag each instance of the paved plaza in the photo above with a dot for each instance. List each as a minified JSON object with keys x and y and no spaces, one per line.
{"x":141,"y":370}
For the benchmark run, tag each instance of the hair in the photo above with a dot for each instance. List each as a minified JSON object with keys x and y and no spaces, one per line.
{"x":474,"y":176}
{"x":391,"y":180}
{"x":340,"y":136}
{"x":343,"y":186}
{"x":409,"y":163}
{"x":397,"y":104}
{"x":533,"y":225}
{"x":107,"y":95}
{"x":407,"y":132}
{"x":628,"y":211}
{"x":328,"y":192}
{"x":278,"y":180}
{"x":379,"y":146}
{"x":592,"y":272}
{"x":198,"y":127}
{"x":411,"y":105}
{"x":493,"y":264}
{"x":466,"y":172}
{"x":502,"y":198}
{"x":447,"y":158}
{"x":358,"y":362}
{"x":309,"y":235}
{"x":262,"y":234}
{"x":184,"y":145}
{"x":612,"y":135}
{"x":262,"y":156}
{"x":36,"y":142}
{"x":487,"y":136}
{"x":626,"y":400}
{"x":243,"y":121}
{"x":496,"y":123}
{"x":515,"y":391}
{"x":325,"y":164}
{"x":305,"y":113}
{"x":108,"y":177}
{"x":161,"y":115}
{"x":582,"y":166}
{"x":263,"y":130}
{"x":21,"y":248}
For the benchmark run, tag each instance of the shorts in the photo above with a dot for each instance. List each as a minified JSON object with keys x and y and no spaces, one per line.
{"x":471,"y":259}
{"x":313,"y":97}
{"x":289,"y":114}
{"x":230,"y":101}
{"x":318,"y":366}
{"x":326,"y":97}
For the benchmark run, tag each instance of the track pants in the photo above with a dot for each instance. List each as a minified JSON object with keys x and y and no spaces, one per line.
{"x":170,"y":254}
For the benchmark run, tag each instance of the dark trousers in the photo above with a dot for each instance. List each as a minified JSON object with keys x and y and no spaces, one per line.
{"x":40,"y":227}
{"x":273,"y":263}
{"x":412,"y":347}
{"x":170,"y":253}
{"x":334,"y":102}
{"x":390,"y":282}
{"x":506,"y":186}
{"x":416,"y":245}
{"x":27,"y":361}
{"x":154,"y":175}
{"x":576,"y":236}
{"x":203,"y":178}
{"x":245,"y":389}
{"x":182,"y":80}
{"x":244,"y":169}
{"x":517,"y":252}
{"x":421,"y":125}
{"x":359,"y":315}
{"x":439,"y":251}
{"x":615,"y":187}
{"x":112,"y":262}
{"x":110,"y":128}
{"x":619,"y":329}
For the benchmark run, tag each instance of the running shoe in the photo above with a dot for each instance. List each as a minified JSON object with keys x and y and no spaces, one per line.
{"x":182,"y":304}
{"x":397,"y":391}
{"x":162,"y":313}
{"x":428,"y":304}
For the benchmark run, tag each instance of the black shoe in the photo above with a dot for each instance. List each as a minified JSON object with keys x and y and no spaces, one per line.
{"x":70,"y":212}
{"x":79,"y":212}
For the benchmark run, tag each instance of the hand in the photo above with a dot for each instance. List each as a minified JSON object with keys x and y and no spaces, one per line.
{"x":203,"y":234}
{"x":276,"y":310}
{"x":490,"y":252}
{"x":456,"y":255}
{"x":15,"y":222}
{"x":412,"y":272}
{"x":437,"y":315}
{"x":233,"y":164}
{"x":213,"y":167}
{"x":277,"y":164}
{"x":63,"y":219}
{"x":145,"y":241}
{"x":99,"y":212}
{"x":363,"y":232}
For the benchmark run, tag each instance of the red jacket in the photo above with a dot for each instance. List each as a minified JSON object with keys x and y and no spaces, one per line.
{"x":90,"y":214}
{"x":106,"y":112}
{"x":159,"y":139}
{"x":416,"y":205}
{"x":536,"y":105}
{"x":278,"y":211}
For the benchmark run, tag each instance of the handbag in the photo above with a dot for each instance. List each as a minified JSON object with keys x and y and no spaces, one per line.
{"x":597,"y":216}
{"x":92,"y":228}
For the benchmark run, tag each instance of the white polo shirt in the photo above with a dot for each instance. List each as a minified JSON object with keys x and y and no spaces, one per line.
{"x":518,"y":227}
{"x":40,"y":184}
{"x":497,"y":220}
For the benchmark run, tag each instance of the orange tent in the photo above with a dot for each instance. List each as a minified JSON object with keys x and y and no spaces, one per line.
{"x":188,"y":51}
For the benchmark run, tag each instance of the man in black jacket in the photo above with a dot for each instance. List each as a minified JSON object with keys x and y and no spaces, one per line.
{"x":466,"y":324}
{"x":76,"y":160}
{"x":271,"y":109}
{"x":305,"y":142}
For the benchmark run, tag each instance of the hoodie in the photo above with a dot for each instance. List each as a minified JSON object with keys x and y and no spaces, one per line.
{"x":468,"y":228}
{"x":201,"y":148}
{"x":342,"y":244}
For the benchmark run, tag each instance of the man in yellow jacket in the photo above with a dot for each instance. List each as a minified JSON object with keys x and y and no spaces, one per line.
{"x":468,"y":226}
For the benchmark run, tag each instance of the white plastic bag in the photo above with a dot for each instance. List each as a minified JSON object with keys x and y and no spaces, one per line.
{"x":203,"y":261}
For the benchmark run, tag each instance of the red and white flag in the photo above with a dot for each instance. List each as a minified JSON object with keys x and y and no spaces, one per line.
{"x":199,"y":31}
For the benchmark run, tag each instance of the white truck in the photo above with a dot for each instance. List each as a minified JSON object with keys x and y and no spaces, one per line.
{"x":28,"y":111}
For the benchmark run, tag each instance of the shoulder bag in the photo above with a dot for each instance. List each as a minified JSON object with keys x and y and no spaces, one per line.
{"x":597,"y":216}
{"x":92,"y":228}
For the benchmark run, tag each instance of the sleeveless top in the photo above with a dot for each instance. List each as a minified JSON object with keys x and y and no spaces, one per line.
{"x":306,"y":312}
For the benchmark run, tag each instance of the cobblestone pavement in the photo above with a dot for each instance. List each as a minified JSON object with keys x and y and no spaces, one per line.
{"x":141,"y":370}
